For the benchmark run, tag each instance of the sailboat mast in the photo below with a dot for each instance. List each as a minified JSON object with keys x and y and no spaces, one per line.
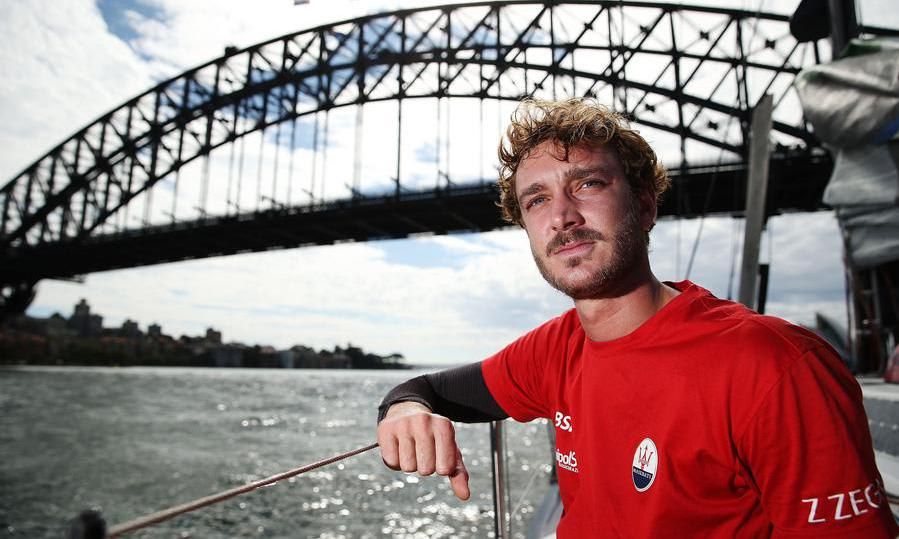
{"x":756,"y":193}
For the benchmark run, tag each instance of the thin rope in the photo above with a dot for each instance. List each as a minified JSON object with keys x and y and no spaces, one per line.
{"x":736,"y":230}
{"x":243,"y":139}
{"x":199,"y":503}
{"x":521,"y":499}
{"x":314,"y":159}
{"x":260,"y":162}
{"x":175,"y":194}
{"x":230,"y":179}
{"x":437,"y":143}
{"x":204,"y":193}
{"x":277,"y":154}
{"x":293,"y":150}
{"x":481,"y":139}
{"x":708,"y":201}
{"x":326,"y":140}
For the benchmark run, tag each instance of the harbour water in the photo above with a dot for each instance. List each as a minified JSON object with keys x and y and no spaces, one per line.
{"x":132,"y":441}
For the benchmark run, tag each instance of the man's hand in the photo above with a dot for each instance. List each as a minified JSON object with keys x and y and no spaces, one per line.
{"x":413,"y":439}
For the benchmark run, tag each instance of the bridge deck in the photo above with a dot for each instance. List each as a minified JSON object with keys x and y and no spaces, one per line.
{"x":796,"y":184}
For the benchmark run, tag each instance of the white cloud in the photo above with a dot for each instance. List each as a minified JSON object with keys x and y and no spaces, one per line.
{"x":61,"y":69}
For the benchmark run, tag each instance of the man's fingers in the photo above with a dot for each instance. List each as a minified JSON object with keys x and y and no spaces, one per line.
{"x":445,"y":442}
{"x":459,"y":479}
{"x":424,"y":454}
{"x":389,"y":450}
{"x":408,"y":460}
{"x":423,"y":443}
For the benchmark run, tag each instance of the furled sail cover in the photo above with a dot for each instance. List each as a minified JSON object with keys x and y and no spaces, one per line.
{"x":853,"y":105}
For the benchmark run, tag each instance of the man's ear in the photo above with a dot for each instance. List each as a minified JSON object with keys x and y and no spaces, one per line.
{"x":649,"y":210}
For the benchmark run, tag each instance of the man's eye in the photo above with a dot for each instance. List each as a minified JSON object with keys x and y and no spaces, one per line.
{"x":534,"y":201}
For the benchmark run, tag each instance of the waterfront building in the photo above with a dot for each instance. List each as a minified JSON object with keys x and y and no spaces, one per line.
{"x":130,"y":329}
{"x":83,"y":322}
{"x":213,"y":336}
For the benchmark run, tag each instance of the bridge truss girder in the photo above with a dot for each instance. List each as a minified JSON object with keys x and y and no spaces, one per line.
{"x":702,"y":191}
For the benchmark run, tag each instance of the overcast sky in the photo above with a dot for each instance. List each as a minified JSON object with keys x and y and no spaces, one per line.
{"x":437,"y":299}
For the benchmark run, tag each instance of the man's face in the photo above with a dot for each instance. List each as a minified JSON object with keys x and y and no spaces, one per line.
{"x":585,"y":226}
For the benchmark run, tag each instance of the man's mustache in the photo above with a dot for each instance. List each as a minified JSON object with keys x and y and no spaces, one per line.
{"x":579,"y":234}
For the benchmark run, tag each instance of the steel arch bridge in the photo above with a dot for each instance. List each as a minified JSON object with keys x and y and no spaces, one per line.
{"x":690,"y":73}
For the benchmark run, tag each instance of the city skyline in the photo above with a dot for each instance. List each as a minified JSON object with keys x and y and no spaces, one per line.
{"x":81,"y":339}
{"x":436,"y":299}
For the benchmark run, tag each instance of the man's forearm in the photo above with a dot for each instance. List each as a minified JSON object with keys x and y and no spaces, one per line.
{"x":459,"y":394}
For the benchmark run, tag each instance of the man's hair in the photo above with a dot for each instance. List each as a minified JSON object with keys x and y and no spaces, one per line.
{"x":571,"y":123}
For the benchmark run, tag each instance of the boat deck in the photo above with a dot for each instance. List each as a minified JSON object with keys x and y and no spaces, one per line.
{"x":882,"y":405}
{"x":876,"y":388}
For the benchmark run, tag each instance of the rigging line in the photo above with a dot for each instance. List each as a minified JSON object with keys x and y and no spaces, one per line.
{"x":243,"y":139}
{"x":735,"y":232}
{"x":357,"y":151}
{"x":481,"y":140}
{"x":293,"y":149}
{"x":708,"y":200}
{"x":539,"y":471}
{"x":118,"y":214}
{"x":204,"y":193}
{"x":230,"y":179}
{"x":314,"y":159}
{"x":437,"y":142}
{"x":277,"y":155}
{"x":325,"y":143}
{"x":171,"y":512}
{"x":449,"y":123}
{"x":175,"y":194}
{"x":678,"y":243}
{"x":259,"y":161}
{"x":696,"y":241}
{"x":148,"y":207}
{"x":399,"y":144}
{"x":499,"y":120}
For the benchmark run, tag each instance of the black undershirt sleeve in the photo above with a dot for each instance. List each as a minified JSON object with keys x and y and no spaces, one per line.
{"x":459,"y":394}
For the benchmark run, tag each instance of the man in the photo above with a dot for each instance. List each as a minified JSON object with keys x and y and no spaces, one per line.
{"x":677,"y":414}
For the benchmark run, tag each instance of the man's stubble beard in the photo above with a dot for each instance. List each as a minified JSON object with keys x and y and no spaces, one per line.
{"x":628,"y":246}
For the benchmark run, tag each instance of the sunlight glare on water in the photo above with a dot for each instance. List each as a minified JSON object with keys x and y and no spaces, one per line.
{"x":132,"y":441}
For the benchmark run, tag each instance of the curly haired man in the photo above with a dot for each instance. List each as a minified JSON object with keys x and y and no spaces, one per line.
{"x":677,"y":414}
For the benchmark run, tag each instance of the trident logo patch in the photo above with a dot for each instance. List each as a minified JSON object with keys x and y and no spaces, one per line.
{"x":646,"y":465}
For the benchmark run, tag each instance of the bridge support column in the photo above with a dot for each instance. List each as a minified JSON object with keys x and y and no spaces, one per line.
{"x":15,"y":298}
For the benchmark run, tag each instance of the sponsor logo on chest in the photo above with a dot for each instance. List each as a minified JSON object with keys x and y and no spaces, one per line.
{"x":563,"y":422}
{"x":646,"y":465}
{"x":565,"y":460}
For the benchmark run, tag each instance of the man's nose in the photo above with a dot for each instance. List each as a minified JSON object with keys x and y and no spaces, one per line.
{"x":565,"y":213}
